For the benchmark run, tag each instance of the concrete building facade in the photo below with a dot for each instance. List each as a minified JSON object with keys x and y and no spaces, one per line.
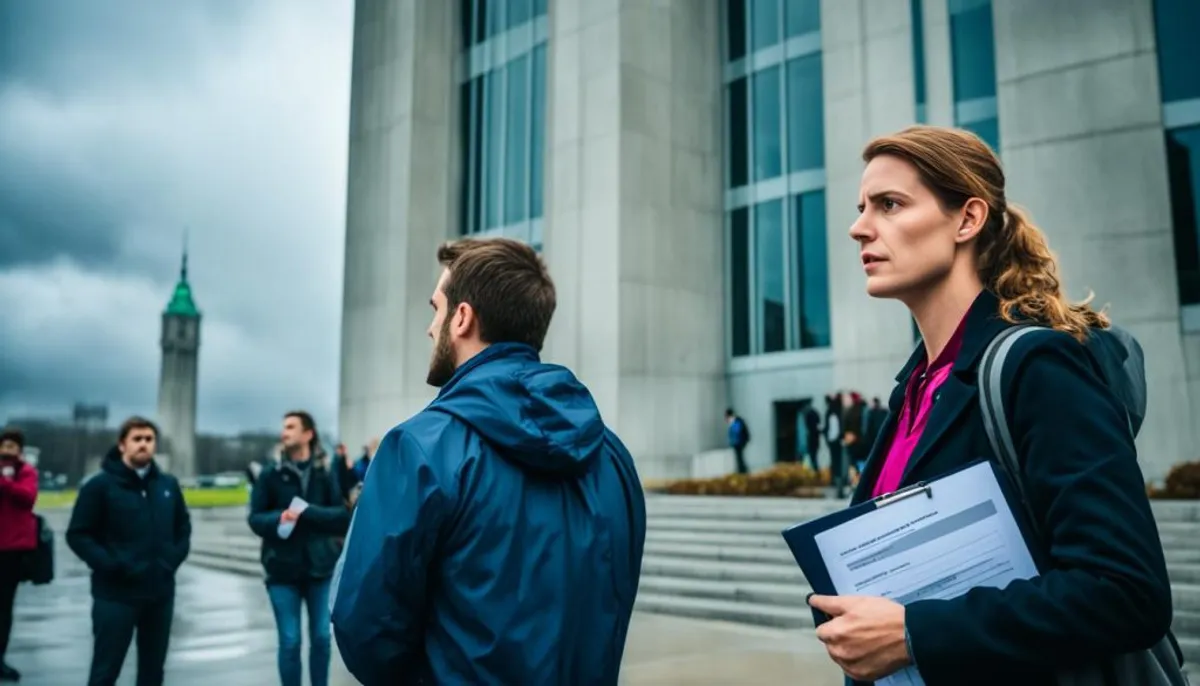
{"x":689,"y":169}
{"x":177,"y":383}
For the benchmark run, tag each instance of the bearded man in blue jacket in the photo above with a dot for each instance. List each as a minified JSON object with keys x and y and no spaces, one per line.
{"x":498,"y":537}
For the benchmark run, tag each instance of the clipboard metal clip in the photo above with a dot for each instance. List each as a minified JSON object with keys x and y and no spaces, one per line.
{"x":906,"y":492}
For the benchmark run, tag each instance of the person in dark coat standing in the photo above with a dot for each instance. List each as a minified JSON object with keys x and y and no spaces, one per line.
{"x":297,"y":508}
{"x":18,"y":531}
{"x":131,"y":526}
{"x":937,"y":233}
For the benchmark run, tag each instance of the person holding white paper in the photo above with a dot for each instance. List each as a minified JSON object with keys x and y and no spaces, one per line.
{"x":298,"y":510}
{"x":937,"y":232}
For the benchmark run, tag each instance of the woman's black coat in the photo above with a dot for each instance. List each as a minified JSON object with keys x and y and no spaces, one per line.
{"x":1108,"y":590}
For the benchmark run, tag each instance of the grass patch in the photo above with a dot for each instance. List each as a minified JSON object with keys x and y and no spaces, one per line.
{"x":194,"y":497}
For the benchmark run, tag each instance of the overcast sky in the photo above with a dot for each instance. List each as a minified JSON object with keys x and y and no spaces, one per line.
{"x":121,"y":123}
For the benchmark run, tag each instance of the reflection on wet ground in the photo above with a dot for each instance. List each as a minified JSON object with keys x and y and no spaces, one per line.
{"x":223,"y":631}
{"x":224,"y":635}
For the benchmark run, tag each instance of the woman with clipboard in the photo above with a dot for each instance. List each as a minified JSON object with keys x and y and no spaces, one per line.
{"x":937,"y":232}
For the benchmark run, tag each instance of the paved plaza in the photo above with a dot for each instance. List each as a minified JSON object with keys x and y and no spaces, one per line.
{"x":224,"y":635}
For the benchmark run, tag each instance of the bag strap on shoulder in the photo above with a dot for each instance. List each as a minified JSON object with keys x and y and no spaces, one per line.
{"x":995,"y":419}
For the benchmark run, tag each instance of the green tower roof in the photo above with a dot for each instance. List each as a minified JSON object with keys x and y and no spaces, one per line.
{"x":181,"y":303}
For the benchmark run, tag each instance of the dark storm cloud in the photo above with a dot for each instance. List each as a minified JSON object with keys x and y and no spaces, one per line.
{"x":64,"y":47}
{"x":123,"y":123}
{"x":42,"y":216}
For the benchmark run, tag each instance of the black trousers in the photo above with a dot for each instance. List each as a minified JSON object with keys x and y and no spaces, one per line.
{"x":739,"y":454}
{"x":113,"y":626}
{"x":10,"y":574}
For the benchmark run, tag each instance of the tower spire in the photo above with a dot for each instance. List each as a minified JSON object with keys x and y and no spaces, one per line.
{"x":183,"y":265}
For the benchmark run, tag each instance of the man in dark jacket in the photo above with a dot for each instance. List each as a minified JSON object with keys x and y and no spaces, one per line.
{"x":18,"y":531}
{"x":132,"y":528}
{"x":298,"y":510}
{"x":499,"y":535}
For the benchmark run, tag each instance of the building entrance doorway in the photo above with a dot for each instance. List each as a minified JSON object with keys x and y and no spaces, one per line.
{"x":790,"y":429}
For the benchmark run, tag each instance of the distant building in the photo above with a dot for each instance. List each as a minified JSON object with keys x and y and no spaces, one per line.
{"x":177,"y":384}
{"x":690,"y":170}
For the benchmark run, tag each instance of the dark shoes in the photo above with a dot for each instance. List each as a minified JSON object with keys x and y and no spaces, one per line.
{"x":8,"y":673}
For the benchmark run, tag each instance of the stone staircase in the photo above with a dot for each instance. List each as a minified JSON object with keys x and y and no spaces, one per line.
{"x":723,"y":558}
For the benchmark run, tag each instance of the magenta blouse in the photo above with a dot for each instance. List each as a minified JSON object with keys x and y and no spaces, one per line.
{"x":926,"y":379}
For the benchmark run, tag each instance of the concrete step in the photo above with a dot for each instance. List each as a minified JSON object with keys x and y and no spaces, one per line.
{"x":727,"y":553}
{"x":709,"y":608}
{"x":226,"y":564}
{"x":789,"y":594}
{"x":1182,"y":555}
{"x":757,"y":527}
{"x":1191,"y":654}
{"x":209,"y":540}
{"x":714,"y":506}
{"x":1186,"y":623}
{"x":716,"y":539}
{"x":721,"y":570}
{"x":1185,"y":597}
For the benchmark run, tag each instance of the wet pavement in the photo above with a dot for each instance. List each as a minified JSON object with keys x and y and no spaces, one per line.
{"x":224,"y":635}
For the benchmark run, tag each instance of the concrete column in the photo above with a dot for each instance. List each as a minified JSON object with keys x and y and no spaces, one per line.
{"x":869,"y":91}
{"x":401,"y":200}
{"x":634,"y":230}
{"x":1088,"y":160}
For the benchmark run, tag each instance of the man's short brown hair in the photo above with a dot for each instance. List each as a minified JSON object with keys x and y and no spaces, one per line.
{"x":135,"y":422}
{"x":506,"y":283}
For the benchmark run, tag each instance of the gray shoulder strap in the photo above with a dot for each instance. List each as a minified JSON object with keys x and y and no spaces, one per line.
{"x":991,"y":402}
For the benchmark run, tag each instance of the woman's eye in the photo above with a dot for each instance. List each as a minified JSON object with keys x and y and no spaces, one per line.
{"x":889,"y":204}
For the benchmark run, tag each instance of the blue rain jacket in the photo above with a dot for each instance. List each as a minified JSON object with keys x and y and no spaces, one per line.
{"x":498,"y":537}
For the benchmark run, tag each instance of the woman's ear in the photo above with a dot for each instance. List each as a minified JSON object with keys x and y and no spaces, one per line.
{"x":974,"y":216}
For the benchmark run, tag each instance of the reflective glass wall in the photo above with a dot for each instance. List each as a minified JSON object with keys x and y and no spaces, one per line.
{"x":917,"y":15}
{"x":973,"y":68}
{"x":775,"y":176}
{"x":1177,"y":23}
{"x":503,"y":109}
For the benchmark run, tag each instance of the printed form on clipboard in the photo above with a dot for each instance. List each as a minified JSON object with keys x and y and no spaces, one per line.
{"x":934,"y":540}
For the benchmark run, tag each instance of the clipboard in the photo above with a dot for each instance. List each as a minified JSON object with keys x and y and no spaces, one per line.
{"x":801,"y":538}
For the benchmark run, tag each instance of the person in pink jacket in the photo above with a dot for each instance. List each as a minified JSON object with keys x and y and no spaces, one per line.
{"x":18,"y":531}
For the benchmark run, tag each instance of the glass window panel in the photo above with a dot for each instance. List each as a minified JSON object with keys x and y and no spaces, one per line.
{"x":739,"y":292}
{"x":768,"y":143}
{"x":1183,"y":166}
{"x":464,"y":132}
{"x":1177,"y":22}
{"x":972,"y":45}
{"x":739,"y":147}
{"x":768,"y":271}
{"x":493,"y":117}
{"x":802,"y":16}
{"x":918,"y":40}
{"x":537,"y":132}
{"x":519,"y":12}
{"x":493,"y":17}
{"x":735,"y":29}
{"x":539,"y":8}
{"x":811,"y":280}
{"x":466,"y":19}
{"x":516,"y":144}
{"x":764,"y":15}
{"x":806,"y":114}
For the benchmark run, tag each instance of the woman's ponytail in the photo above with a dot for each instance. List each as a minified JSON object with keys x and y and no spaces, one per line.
{"x":1020,"y":269}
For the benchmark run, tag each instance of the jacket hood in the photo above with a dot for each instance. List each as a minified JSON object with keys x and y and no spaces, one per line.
{"x":536,"y":414}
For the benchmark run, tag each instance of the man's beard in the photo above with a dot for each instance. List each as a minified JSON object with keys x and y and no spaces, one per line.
{"x":139,"y":460}
{"x":443,"y":365}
